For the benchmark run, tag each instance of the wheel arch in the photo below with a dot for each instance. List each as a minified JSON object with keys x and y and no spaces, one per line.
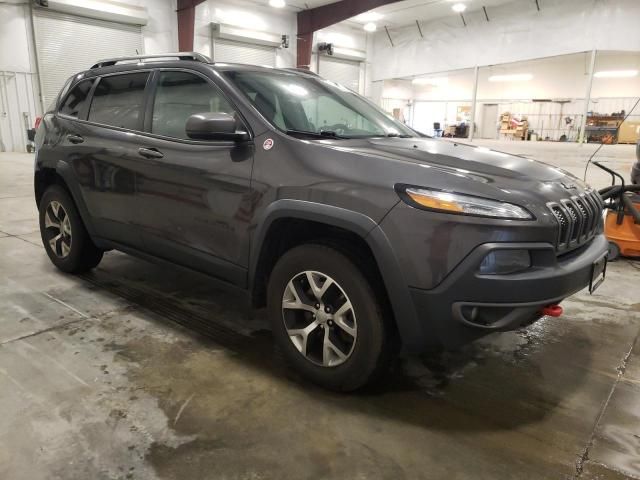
{"x":62,"y":175}
{"x":287,"y":223}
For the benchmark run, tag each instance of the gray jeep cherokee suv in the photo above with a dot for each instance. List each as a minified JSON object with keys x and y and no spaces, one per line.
{"x":360,"y":235}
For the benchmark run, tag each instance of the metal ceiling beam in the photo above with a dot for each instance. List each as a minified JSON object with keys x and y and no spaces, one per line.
{"x":317,"y":18}
{"x":186,"y":12}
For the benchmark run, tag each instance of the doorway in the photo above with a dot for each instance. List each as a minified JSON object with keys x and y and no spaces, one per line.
{"x":488,"y":127}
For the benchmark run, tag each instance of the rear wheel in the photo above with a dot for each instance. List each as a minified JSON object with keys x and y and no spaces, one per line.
{"x":614,"y":252}
{"x":327,"y":319}
{"x":63,"y":234}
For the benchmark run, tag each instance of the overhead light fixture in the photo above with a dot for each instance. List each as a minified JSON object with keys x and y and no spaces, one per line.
{"x":277,"y":3}
{"x":435,"y":81}
{"x":370,"y":27}
{"x":459,"y":7}
{"x":517,"y":77}
{"x":616,"y":74}
{"x":367,"y":17}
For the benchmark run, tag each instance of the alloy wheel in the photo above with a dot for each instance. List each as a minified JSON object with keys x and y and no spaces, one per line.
{"x":319,"y":318}
{"x":58,"y":229}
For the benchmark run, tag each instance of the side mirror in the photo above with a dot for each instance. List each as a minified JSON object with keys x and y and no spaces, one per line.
{"x":214,"y":126}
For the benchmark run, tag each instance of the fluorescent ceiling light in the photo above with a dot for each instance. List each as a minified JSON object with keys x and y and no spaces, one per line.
{"x":616,"y":74}
{"x":459,"y":7}
{"x":367,"y":17}
{"x":437,"y":81}
{"x":277,"y":3}
{"x":517,"y":77}
{"x":370,"y":27}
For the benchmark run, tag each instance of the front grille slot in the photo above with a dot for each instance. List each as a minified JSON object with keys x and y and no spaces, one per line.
{"x":564,"y":223}
{"x":578,"y":219}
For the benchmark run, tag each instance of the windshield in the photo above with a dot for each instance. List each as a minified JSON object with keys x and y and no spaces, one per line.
{"x":312,"y":106}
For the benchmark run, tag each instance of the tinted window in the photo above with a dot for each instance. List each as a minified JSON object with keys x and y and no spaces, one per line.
{"x":117,"y":100}
{"x":180,"y":95}
{"x":75,"y":101}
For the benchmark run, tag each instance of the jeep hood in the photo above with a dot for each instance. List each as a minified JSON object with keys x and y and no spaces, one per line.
{"x":474,"y":162}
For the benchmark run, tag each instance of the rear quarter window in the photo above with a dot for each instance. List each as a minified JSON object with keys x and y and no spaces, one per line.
{"x":76,"y":100}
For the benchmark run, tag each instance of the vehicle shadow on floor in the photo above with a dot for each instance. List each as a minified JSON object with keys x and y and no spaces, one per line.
{"x":480,"y":387}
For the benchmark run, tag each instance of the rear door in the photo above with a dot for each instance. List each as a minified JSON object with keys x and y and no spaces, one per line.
{"x":195,"y":196}
{"x":105,"y":154}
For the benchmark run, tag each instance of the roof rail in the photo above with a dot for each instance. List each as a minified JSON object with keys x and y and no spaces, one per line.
{"x":158,"y":57}
{"x":301,"y":70}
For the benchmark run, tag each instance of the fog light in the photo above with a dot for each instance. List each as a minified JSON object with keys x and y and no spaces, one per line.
{"x":502,"y":262}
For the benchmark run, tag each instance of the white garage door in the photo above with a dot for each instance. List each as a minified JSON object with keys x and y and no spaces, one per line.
{"x":344,"y":72}
{"x":227,"y":51}
{"x":67,"y":44}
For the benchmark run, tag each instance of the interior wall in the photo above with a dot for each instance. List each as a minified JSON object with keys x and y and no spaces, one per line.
{"x":344,"y":36}
{"x":245,"y":15}
{"x":161,"y":32}
{"x":19,"y":90}
{"x":516,"y":31}
{"x":562,"y":80}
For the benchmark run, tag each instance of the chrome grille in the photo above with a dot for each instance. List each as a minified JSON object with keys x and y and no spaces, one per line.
{"x":578,"y":219}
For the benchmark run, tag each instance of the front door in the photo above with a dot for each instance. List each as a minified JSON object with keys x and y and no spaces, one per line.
{"x":195,"y":196}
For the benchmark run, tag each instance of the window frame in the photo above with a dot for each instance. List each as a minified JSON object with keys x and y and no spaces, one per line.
{"x":148,"y":116}
{"x":145,"y":96}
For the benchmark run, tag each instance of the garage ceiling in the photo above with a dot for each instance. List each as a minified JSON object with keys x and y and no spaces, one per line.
{"x":406,"y":12}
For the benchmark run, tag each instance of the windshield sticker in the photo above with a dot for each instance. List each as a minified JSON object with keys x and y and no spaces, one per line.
{"x":268,"y":144}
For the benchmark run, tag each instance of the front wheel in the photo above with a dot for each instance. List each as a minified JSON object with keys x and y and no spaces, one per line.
{"x":63,"y":234}
{"x":327,"y":319}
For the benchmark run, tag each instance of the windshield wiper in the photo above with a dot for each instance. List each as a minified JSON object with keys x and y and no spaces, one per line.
{"x":321,"y":134}
{"x":398,"y":135}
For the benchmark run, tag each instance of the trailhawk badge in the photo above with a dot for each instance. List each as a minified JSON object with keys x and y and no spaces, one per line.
{"x":268,"y":144}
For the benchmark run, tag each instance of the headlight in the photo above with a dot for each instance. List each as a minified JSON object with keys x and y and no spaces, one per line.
{"x":462,"y":204}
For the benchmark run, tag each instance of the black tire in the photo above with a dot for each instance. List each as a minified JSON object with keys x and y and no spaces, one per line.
{"x":614,"y":252}
{"x":371,"y":351}
{"x":82,"y":255}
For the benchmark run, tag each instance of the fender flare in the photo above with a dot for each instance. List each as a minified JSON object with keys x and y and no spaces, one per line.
{"x":364,"y":226}
{"x":64,"y":170}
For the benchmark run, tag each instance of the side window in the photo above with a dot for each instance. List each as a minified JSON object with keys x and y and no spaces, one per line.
{"x":118,"y":100}
{"x":77,"y":98}
{"x":180,"y":95}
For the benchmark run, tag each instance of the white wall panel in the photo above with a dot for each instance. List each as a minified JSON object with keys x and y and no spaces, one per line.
{"x":238,"y":52}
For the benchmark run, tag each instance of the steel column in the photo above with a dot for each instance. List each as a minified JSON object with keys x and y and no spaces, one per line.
{"x":472,"y":126}
{"x":587,"y":97}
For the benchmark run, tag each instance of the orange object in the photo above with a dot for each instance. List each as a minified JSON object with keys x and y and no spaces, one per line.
{"x":626,"y":235}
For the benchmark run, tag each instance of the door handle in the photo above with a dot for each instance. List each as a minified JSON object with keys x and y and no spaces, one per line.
{"x":75,"y":138}
{"x":150,"y":153}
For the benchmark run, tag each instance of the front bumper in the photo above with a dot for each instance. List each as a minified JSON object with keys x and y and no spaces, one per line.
{"x":467,"y":305}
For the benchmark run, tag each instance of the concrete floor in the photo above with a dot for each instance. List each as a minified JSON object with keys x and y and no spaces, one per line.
{"x":135,"y":371}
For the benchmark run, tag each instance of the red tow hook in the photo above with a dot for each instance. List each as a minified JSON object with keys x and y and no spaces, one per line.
{"x":552,"y":310}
